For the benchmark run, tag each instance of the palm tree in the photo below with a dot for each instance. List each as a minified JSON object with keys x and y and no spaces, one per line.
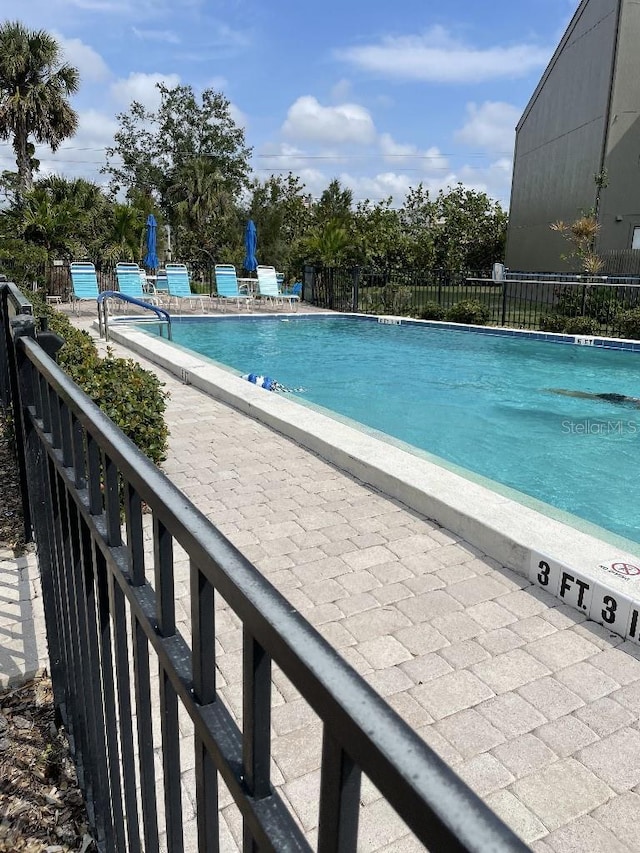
{"x":41,"y":220}
{"x":199,"y":193}
{"x":34,"y":87}
{"x":125,"y":237}
{"x":329,"y":245}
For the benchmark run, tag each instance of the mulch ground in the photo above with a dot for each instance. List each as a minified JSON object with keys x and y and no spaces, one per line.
{"x":11,"y":530}
{"x":41,"y":806}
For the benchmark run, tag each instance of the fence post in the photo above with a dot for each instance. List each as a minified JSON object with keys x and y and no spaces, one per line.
{"x":24,"y":325}
{"x":584,"y":300}
{"x":503,"y":319}
{"x":356,"y":286}
{"x":5,"y":343}
{"x":309,"y":284}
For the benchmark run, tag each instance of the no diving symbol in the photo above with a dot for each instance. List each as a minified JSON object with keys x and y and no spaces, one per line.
{"x":626,"y":569}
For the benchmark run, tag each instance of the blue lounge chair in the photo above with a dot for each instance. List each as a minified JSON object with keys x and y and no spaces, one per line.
{"x":294,"y":290}
{"x":268,"y":288}
{"x":130,"y":283}
{"x":227,"y":286}
{"x":84,"y":284}
{"x":180,"y":288}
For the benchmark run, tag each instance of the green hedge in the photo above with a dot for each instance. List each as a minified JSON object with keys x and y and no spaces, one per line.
{"x":629,"y":323}
{"x":569,"y":325}
{"x":132,"y":397}
{"x":432,"y":311}
{"x":469,"y":311}
{"x":553,"y":322}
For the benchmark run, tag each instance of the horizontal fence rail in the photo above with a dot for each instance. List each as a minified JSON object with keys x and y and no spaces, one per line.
{"x":556,"y":302}
{"x":111,"y":620}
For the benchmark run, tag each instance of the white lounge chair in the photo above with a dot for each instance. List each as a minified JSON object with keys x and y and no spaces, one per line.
{"x":269,"y":289}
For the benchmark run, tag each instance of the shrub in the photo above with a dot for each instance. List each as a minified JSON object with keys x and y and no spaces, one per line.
{"x":582,"y":326}
{"x":131,"y":396}
{"x":432,"y":311}
{"x":628,"y":322}
{"x":468,"y":311}
{"x":553,"y":323}
{"x":389,"y":299}
{"x":597,"y":302}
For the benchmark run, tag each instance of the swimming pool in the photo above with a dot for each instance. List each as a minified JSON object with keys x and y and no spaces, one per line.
{"x":484,"y":403}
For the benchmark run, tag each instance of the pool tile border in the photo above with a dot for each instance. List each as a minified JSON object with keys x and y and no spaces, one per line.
{"x":501,"y":331}
{"x":497,"y":331}
{"x":515,"y":535}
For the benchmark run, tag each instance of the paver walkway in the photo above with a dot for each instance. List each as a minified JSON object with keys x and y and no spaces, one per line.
{"x":533,"y":706}
{"x":23,"y":642}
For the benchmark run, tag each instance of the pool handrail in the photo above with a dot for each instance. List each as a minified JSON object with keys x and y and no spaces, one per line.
{"x":103,"y":323}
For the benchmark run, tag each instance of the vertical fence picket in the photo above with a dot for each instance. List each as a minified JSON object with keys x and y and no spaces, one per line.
{"x":135,"y":534}
{"x":112,"y":598}
{"x":204,"y":685}
{"x":117,"y":727}
{"x":339,"y":799}
{"x":112,"y":502}
{"x":256,"y":722}
{"x":166,"y":617}
{"x":170,"y":733}
{"x":102,"y":749}
{"x":94,"y":476}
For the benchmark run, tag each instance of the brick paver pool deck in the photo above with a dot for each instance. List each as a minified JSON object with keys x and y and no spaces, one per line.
{"x":536,"y":708}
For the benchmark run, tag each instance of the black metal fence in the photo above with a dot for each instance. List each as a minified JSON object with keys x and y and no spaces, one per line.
{"x":111,"y":619}
{"x":555,"y":302}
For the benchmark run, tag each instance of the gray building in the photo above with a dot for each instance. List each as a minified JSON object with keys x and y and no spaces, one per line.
{"x":582,"y":120}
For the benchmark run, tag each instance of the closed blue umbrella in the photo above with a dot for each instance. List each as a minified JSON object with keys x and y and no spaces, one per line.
{"x":250,"y":242}
{"x":151,"y":259}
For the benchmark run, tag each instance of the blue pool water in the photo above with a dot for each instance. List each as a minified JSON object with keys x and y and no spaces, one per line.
{"x":481,"y":402}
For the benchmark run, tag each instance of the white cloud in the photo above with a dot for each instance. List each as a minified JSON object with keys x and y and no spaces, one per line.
{"x":341,"y":90}
{"x":377,"y":187}
{"x":218,"y":83}
{"x":494,"y":179}
{"x":83,"y":57}
{"x":490,"y":126}
{"x":142,"y":87}
{"x":344,"y":123}
{"x":99,"y":6}
{"x":240,"y":118}
{"x":83,"y":155}
{"x":162,"y":36}
{"x":281,"y":156}
{"x":396,"y":152}
{"x":436,"y":56}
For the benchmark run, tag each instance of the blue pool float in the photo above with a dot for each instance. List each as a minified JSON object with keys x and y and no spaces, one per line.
{"x":270,"y":384}
{"x":261,"y":381}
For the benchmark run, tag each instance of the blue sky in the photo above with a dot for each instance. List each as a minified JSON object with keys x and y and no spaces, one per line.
{"x":380,"y":95}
